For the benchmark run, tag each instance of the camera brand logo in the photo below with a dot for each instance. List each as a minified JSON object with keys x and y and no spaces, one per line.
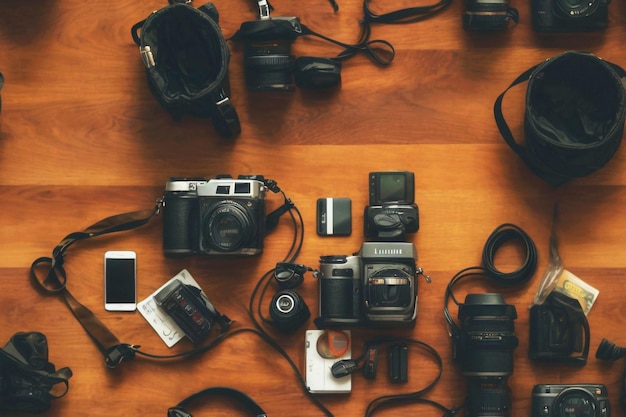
{"x":394,"y":251}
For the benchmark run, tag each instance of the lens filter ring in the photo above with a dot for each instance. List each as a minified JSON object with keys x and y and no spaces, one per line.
{"x":229,"y":226}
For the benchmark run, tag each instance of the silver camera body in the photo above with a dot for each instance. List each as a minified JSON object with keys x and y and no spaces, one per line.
{"x":376,"y":287}
{"x":219,"y":216}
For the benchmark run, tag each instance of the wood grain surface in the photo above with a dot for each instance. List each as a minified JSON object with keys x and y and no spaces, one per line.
{"x":82,"y":138}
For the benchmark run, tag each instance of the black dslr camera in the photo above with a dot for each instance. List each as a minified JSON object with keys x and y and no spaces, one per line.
{"x":569,"y":15}
{"x":392,"y":211}
{"x":214,"y":217}
{"x":268,"y":62}
{"x":484,"y":348}
{"x":589,"y":400}
{"x":375,"y":287}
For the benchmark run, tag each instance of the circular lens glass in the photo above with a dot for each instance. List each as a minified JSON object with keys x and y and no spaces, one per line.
{"x":576,"y":8}
{"x":576,"y":404}
{"x":229,"y":227}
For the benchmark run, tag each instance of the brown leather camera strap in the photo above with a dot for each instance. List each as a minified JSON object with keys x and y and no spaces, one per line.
{"x":50,"y":276}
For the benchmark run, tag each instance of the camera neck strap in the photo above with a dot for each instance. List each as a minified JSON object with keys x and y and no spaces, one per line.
{"x":239,"y":397}
{"x":50,"y":276}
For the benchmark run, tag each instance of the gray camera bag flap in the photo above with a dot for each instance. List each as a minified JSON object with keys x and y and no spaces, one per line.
{"x":574,"y":116}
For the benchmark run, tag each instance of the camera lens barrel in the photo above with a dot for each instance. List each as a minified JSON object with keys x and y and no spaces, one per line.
{"x":488,"y":397}
{"x":485,"y":352}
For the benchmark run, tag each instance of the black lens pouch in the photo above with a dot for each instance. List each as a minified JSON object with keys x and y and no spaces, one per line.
{"x":186,"y":59}
{"x":574,"y":116}
{"x":559,"y":331}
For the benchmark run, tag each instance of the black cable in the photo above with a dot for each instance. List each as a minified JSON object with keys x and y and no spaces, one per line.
{"x":386,"y":401}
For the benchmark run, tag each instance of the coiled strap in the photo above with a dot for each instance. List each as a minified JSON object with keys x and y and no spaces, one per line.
{"x":502,"y":234}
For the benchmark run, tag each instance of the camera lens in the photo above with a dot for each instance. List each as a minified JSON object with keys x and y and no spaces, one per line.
{"x":575,"y":402}
{"x":576,"y":8}
{"x":228,"y":227}
{"x":269,"y":66}
{"x":486,"y":353}
{"x":288,"y":311}
{"x":487,"y":15}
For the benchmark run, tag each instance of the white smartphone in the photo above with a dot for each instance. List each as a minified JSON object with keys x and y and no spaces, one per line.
{"x":120,"y":281}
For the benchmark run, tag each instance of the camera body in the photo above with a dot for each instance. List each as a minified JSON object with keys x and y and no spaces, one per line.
{"x":392,"y":211}
{"x":376,"y":287}
{"x":220,"y":216}
{"x":568,"y":399}
{"x":569,"y":15}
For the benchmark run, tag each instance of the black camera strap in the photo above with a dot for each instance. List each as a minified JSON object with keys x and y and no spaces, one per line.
{"x":53,"y":280}
{"x":406,"y":15}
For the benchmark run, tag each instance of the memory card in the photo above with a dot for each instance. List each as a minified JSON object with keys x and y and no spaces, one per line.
{"x":334,"y":216}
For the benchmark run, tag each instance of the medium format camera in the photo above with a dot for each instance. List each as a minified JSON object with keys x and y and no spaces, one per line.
{"x":569,"y":15}
{"x":392,"y":211}
{"x":268,"y":62}
{"x":214,"y":217}
{"x":562,"y":400}
{"x":375,"y":287}
{"x":484,"y":348}
{"x":488,"y":16}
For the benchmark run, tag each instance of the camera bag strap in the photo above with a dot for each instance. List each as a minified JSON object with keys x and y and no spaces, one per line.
{"x":529,"y":156}
{"x":53,"y":280}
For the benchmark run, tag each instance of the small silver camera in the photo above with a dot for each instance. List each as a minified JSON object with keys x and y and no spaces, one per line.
{"x":217,"y":216}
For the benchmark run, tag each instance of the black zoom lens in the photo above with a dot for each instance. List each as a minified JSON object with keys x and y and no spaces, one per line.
{"x":288,"y":311}
{"x":269,"y":65}
{"x":228,"y":227}
{"x":488,"y":342}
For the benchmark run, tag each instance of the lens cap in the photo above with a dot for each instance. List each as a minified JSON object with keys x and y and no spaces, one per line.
{"x":315,"y":72}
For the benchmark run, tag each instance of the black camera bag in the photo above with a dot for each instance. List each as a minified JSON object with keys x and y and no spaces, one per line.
{"x":574,"y":116}
{"x":186,"y":59}
{"x":27,"y":379}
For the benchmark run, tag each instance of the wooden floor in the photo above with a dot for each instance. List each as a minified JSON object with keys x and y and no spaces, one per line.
{"x":82,"y":138}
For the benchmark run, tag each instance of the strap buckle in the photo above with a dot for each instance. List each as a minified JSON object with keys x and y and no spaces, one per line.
{"x":117,"y":354}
